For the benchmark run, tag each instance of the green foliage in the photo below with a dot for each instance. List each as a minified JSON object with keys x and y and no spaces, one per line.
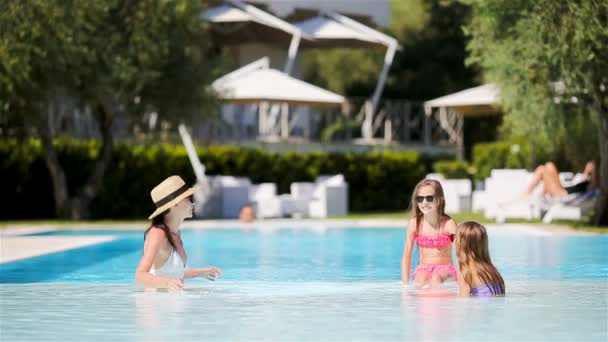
{"x":408,"y":18}
{"x":339,"y":129}
{"x":550,"y":60}
{"x":115,"y":59}
{"x":431,"y":63}
{"x":136,"y":55}
{"x":542,"y":54}
{"x":453,"y":169}
{"x":377,"y":181}
{"x":333,"y":69}
{"x":497,"y":155}
{"x":514,"y":154}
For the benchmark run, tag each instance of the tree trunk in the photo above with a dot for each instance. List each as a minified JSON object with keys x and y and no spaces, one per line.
{"x":601,"y":208}
{"x":60,"y":185}
{"x":79,"y":205}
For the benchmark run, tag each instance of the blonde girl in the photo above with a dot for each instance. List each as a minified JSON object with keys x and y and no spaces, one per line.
{"x":479,"y":278}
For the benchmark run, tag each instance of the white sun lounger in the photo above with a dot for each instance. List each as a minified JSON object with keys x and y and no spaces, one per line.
{"x":571,"y":207}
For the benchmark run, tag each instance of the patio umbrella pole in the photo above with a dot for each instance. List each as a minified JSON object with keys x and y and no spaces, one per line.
{"x":292,"y":52}
{"x":388,"y":61}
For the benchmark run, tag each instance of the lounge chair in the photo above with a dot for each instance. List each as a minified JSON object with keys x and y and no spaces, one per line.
{"x":457,"y":193}
{"x":536,"y":206}
{"x":571,"y":207}
{"x":327,"y":196}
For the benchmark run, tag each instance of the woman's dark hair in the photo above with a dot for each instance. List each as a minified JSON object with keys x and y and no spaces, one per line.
{"x":159,"y":222}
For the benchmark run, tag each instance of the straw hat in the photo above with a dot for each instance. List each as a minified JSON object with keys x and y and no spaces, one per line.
{"x":168,"y":193}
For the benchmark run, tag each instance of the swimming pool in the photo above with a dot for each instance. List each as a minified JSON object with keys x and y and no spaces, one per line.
{"x":314,"y":284}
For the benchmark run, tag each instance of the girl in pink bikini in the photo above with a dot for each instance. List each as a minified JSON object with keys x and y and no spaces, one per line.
{"x":433,"y":231}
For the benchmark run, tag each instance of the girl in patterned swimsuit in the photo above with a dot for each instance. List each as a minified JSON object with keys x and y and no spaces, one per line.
{"x":433,"y":231}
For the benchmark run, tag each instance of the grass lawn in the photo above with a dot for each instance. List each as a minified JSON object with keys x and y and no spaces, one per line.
{"x":399,"y":215}
{"x":405,"y":215}
{"x":470,"y":216}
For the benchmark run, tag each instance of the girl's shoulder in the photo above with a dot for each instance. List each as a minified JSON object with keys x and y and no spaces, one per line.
{"x":155,"y":232}
{"x":411,"y":225}
{"x":448,"y":224}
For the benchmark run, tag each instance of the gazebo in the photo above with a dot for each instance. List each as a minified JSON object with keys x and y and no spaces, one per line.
{"x":258,"y":83}
{"x":452,"y":109}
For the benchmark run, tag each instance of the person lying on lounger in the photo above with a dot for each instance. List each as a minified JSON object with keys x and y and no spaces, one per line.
{"x":548,"y":174}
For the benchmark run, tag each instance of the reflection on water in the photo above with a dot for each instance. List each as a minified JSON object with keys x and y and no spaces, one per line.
{"x":532,"y":310}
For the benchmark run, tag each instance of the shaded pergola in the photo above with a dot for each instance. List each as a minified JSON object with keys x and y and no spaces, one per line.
{"x":452,"y":109}
{"x":257,"y":83}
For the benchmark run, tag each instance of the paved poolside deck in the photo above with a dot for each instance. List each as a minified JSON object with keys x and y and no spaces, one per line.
{"x":13,"y":248}
{"x":15,"y":245}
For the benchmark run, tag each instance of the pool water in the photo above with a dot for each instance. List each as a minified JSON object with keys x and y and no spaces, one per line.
{"x":306,"y":284}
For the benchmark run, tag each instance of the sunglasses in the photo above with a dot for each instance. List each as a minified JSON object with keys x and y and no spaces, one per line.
{"x":429,"y":199}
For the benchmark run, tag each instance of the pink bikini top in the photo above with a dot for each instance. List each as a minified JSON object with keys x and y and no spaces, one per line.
{"x":440,"y":240}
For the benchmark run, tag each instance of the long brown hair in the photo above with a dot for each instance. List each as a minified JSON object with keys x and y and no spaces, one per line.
{"x":439,"y":197}
{"x":159,"y":222}
{"x":474,"y":257}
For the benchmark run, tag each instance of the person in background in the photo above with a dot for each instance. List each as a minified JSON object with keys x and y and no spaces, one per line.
{"x":548,"y":174}
{"x":247,"y":213}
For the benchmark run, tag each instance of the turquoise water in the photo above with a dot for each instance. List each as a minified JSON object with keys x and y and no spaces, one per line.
{"x":295,"y":284}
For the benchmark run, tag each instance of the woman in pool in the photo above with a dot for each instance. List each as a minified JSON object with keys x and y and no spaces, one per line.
{"x":163,"y":264}
{"x":433,"y":231}
{"x":479,"y":278}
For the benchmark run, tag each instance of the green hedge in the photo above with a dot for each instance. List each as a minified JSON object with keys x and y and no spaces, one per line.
{"x":516,"y":154}
{"x":499,"y":155}
{"x":377,"y":180}
{"x":452,"y":169}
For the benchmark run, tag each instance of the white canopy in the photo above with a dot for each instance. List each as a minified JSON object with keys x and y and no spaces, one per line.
{"x":331,"y":29}
{"x":227,"y":14}
{"x":256,"y":82}
{"x":479,"y":100}
{"x":235,"y":22}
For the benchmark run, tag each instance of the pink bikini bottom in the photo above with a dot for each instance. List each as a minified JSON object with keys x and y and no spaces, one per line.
{"x":436,"y":269}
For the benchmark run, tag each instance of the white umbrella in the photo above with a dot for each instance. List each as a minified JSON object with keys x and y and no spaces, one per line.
{"x":235,"y":22}
{"x":331,"y":30}
{"x":453,"y":108}
{"x":474,"y":101}
{"x":256,"y":82}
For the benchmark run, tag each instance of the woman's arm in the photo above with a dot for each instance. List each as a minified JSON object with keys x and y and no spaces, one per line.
{"x":154,"y":241}
{"x":406,"y":259}
{"x":209,"y":272}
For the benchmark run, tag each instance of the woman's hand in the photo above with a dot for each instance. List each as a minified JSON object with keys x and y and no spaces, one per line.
{"x":211,"y":272}
{"x":175,"y":284}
